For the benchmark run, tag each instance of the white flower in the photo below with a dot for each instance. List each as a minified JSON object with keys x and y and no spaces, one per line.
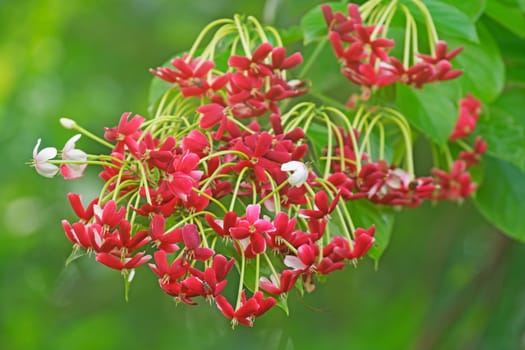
{"x":41,"y":160}
{"x":299,"y":172}
{"x":69,"y":152}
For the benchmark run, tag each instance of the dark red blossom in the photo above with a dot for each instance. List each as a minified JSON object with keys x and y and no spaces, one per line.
{"x":283,"y":284}
{"x":123,"y":264}
{"x":166,"y":241}
{"x":192,"y":240}
{"x":469,"y":111}
{"x":84,"y":214}
{"x":248,"y":310}
{"x":472,"y":158}
{"x":455,"y":185}
{"x":108,"y":215}
{"x":323,"y":206}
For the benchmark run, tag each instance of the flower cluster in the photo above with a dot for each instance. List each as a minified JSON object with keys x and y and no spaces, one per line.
{"x":363,"y":51}
{"x":225,"y":180}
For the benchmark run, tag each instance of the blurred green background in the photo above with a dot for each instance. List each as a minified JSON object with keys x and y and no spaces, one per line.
{"x":448,"y":280}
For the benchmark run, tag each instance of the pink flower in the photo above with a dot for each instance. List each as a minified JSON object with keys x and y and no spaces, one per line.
{"x":41,"y":160}
{"x":252,"y":227}
{"x":69,"y":152}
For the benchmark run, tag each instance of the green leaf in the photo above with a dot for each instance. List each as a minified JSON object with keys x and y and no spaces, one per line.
{"x":484,"y":70}
{"x":505,"y":136}
{"x":472,"y":8}
{"x":511,"y":102}
{"x":291,"y":35}
{"x":510,"y":16}
{"x":157,"y":88}
{"x":75,"y":254}
{"x":282,"y":303}
{"x":448,"y":20}
{"x":365,"y":214}
{"x":500,"y":198}
{"x":313,"y":23}
{"x":433,"y":110}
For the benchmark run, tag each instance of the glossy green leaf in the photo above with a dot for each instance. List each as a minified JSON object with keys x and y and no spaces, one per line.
{"x":448,"y":20}
{"x":510,"y":16}
{"x":511,"y":102}
{"x":472,"y":8}
{"x":314,"y":25}
{"x":482,"y":64}
{"x":504,"y":135}
{"x":291,"y":35}
{"x":365,"y":214}
{"x":500,"y":197}
{"x":433,"y":110}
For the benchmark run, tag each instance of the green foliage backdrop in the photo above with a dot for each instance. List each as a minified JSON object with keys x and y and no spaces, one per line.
{"x":447,"y":280}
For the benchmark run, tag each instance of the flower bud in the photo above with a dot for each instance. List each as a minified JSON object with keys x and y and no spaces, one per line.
{"x":67,"y":123}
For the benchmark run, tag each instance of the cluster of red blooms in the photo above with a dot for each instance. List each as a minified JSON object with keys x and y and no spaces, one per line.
{"x":183,"y":182}
{"x":365,"y":59}
{"x":227,"y":184}
{"x":387,"y":184}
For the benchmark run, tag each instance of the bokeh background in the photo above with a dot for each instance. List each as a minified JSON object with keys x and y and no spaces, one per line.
{"x":448,"y":280}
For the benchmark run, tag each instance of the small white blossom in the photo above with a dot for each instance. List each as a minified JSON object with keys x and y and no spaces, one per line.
{"x":41,"y":160}
{"x":69,"y":152}
{"x":299,"y":172}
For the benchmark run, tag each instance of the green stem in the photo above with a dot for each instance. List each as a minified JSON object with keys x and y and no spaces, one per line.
{"x":390,"y":9}
{"x":257,"y":267}
{"x":237,"y":186}
{"x":313,"y":58}
{"x":431,"y":28}
{"x":203,"y":33}
{"x":244,"y":40}
{"x":241,"y":277}
{"x":204,"y":194}
{"x":92,"y":136}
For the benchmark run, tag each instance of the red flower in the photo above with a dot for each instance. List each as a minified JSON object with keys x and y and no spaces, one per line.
{"x":165,"y":241}
{"x":363,"y":241}
{"x":126,"y":128}
{"x":247,"y":310}
{"x":264,"y":153}
{"x":454,"y":185}
{"x":255,"y":65}
{"x":322,"y":206}
{"x":471,"y":158}
{"x":211,"y":282}
{"x":222,"y":227}
{"x":107,"y":215}
{"x":253,"y":228}
{"x":285,"y":283}
{"x":76,"y":203}
{"x":123,"y":264}
{"x":469,"y":111}
{"x":192,"y":240}
{"x":165,"y":271}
